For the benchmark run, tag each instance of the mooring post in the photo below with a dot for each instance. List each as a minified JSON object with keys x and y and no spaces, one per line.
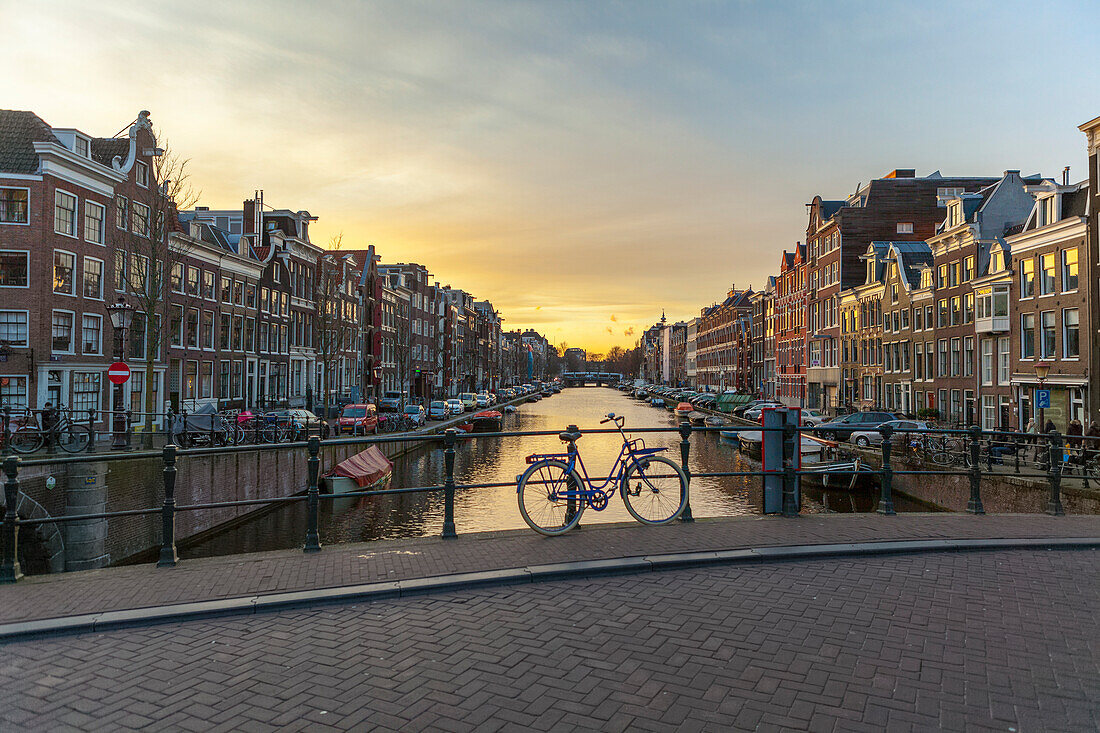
{"x":1054,"y":475}
{"x":685,"y":449}
{"x":974,"y":506}
{"x":450,"y":437}
{"x":313,"y":540}
{"x":9,"y":559}
{"x":168,"y":556}
{"x":886,"y":499}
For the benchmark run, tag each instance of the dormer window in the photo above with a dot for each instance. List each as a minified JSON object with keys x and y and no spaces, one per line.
{"x":1048,"y":210}
{"x":954,"y":214}
{"x":996,"y":261}
{"x":81,"y":147}
{"x":141,"y":174}
{"x":944,"y":194}
{"x":905,"y":227}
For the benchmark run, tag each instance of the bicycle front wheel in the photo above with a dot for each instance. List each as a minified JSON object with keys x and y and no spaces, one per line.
{"x":655,"y":490}
{"x":548,"y":499}
{"x":74,"y":438}
{"x":26,"y":440}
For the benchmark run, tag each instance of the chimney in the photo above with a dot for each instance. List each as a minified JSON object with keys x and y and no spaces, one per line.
{"x":902,"y":173}
{"x":1065,"y":176}
{"x":249,"y":216}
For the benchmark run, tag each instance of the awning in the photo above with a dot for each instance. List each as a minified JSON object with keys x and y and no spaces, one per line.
{"x":363,"y":468}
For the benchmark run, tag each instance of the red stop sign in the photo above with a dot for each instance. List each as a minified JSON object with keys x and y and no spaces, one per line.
{"x":118,"y":372}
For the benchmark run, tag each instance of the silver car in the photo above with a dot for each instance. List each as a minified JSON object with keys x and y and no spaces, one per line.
{"x":872,"y":436}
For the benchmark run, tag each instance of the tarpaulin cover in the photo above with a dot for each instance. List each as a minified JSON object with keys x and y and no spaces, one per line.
{"x":363,"y":468}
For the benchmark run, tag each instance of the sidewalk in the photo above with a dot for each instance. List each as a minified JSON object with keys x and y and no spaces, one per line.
{"x":259,"y":574}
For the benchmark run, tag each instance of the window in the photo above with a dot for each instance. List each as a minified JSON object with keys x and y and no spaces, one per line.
{"x":1003,"y":366}
{"x":175,"y":324}
{"x":190,"y":379}
{"x":1048,"y":210}
{"x":206,"y":339}
{"x":85,"y":391}
{"x":140,"y":220}
{"x":944,"y":194}
{"x":968,"y":269}
{"x":905,"y":227}
{"x":206,"y":382}
{"x":955,"y":311}
{"x":1027,"y":278}
{"x":223,"y":380}
{"x":250,"y":335}
{"x":968,"y":308}
{"x":120,"y":271}
{"x":956,"y":357}
{"x":13,"y":392}
{"x":139,"y":272}
{"x":137,"y":336}
{"x":63,"y":331}
{"x":227,"y":289}
{"x":122,"y":209}
{"x":1071,"y":333}
{"x":953,"y":274}
{"x":64,"y":213}
{"x":1069,"y":270}
{"x":63,"y":264}
{"x":238,"y":333}
{"x":13,"y":328}
{"x":235,"y":382}
{"x":238,"y":293}
{"x":13,"y":206}
{"x":192,"y":327}
{"x":223,"y":332}
{"x":941,"y":321}
{"x":193,"y":281}
{"x":943,"y":358}
{"x":1047,"y":340}
{"x":13,"y":269}
{"x":250,"y":295}
{"x":91,"y":330}
{"x":918,"y":360}
{"x":968,"y":356}
{"x":175,"y":278}
{"x":1046,"y":270}
{"x":95,"y":222}
{"x":141,"y":174}
{"x":1027,"y":336}
{"x":93,"y":278}
{"x":208,"y":284}
{"x":80,"y":147}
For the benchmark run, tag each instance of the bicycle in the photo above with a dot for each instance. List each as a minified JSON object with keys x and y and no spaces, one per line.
{"x":552,"y":494}
{"x":70,"y":436}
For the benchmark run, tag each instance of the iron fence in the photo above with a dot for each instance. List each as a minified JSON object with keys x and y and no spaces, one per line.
{"x":973,"y":443}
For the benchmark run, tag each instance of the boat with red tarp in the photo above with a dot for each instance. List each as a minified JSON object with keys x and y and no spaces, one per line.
{"x":369,"y":470}
{"x":488,"y":421}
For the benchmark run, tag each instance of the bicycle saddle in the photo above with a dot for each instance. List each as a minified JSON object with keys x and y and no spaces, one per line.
{"x":569,"y":437}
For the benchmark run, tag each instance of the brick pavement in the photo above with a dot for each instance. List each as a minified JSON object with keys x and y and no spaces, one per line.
{"x":998,"y":640}
{"x":51,"y":596}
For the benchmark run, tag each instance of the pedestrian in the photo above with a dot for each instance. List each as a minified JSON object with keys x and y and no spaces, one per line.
{"x":49,"y":421}
{"x":1050,"y":427}
{"x":1074,"y":431}
{"x":1092,"y":442}
{"x":1033,"y":438}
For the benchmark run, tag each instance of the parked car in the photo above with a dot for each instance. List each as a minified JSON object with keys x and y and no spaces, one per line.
{"x":842,"y":427}
{"x":482,"y":399}
{"x":754,"y":413}
{"x":391,"y":401}
{"x":455,"y":406}
{"x":416,"y":415}
{"x":357,"y":419}
{"x":305,"y":422}
{"x":740,"y":410}
{"x":812,"y":418}
{"x":469,"y":400}
{"x":438,"y":410}
{"x":864,"y":438}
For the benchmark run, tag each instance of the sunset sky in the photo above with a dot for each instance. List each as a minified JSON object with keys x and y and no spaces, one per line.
{"x":582,"y":165}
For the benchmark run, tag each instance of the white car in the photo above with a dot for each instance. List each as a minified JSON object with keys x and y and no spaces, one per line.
{"x":415,"y":414}
{"x":483,"y":400}
{"x":455,"y":406}
{"x":865,"y":438}
{"x":438,"y":410}
{"x":812,"y":418}
{"x":753,"y":413}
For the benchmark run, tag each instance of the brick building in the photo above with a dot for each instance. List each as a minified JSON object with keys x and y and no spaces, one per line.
{"x":790,"y":303}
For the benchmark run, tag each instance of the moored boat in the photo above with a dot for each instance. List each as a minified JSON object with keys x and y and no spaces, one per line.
{"x":488,"y":421}
{"x":368,"y":470}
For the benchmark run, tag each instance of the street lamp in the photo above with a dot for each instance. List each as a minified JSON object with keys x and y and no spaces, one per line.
{"x":122,"y":315}
{"x":1042,"y":369}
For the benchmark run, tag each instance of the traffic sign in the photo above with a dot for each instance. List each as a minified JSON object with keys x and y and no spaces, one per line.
{"x":1042,"y":399}
{"x":118,"y":372}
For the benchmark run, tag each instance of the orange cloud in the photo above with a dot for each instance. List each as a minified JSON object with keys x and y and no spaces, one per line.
{"x":629,"y":331}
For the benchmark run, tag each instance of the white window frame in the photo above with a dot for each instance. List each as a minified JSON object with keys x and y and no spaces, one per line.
{"x":26,"y":223}
{"x":1064,"y":268}
{"x":99,"y":341}
{"x":1065,"y":341}
{"x":76,"y":214}
{"x":88,"y":205}
{"x":122,"y":213}
{"x":72,"y":328}
{"x":27,"y":259}
{"x":141,"y":174}
{"x":53,"y":277}
{"x":26,"y":327}
{"x":905,"y":227}
{"x":26,"y":388}
{"x":83,"y":277}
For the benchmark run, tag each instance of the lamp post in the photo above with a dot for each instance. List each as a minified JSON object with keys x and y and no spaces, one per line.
{"x":1042,"y":369}
{"x":122,"y":314}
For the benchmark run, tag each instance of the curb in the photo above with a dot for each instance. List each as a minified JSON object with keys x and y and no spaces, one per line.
{"x":384,"y":590}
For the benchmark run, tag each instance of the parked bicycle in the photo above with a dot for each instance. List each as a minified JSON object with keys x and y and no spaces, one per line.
{"x":553,"y":493}
{"x":70,"y":436}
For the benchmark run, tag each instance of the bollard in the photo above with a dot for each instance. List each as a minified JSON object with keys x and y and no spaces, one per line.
{"x":168,"y":556}
{"x":450,"y":436}
{"x":886,"y":499}
{"x":313,"y":541}
{"x":790,"y":506}
{"x":169,"y":417}
{"x":91,"y":429}
{"x":7,"y":430}
{"x":9,"y":560}
{"x":129,"y":429}
{"x":1054,"y":475}
{"x":974,"y":506}
{"x":685,"y":449}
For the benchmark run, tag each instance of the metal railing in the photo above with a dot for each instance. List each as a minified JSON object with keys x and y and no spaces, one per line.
{"x":973,"y":439}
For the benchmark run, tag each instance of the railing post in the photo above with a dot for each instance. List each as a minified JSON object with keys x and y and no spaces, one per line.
{"x":313,"y":540}
{"x":168,"y":556}
{"x":7,"y":430}
{"x":1017,"y":449}
{"x":9,"y":561}
{"x":91,"y":429}
{"x":129,"y":429}
{"x":685,"y":449}
{"x":790,"y":434}
{"x":450,"y":437}
{"x":1054,"y":475}
{"x":974,"y":506}
{"x":886,"y":499}
{"x":571,"y":487}
{"x":49,"y":435}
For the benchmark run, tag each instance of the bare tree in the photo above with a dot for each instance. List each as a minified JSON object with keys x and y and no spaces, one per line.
{"x":402,"y":344}
{"x":335,"y":312}
{"x":145,"y":256}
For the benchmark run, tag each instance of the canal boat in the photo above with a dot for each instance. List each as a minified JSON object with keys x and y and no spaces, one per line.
{"x":487,"y":421}
{"x":713,"y":421}
{"x":813,"y":450}
{"x":846,"y":474}
{"x":510,"y":408}
{"x":368,"y":470}
{"x":696,"y":418}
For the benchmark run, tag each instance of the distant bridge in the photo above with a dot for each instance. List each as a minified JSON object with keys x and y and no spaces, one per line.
{"x":581,"y":379}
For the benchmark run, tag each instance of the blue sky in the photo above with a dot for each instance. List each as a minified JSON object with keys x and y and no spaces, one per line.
{"x":569,"y":161}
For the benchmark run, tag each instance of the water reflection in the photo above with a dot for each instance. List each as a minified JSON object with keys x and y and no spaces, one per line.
{"x":496,"y":460}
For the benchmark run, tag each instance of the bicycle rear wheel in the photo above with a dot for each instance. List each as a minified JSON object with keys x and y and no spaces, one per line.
{"x":655,"y":490}
{"x":74,"y":438}
{"x":26,"y":440}
{"x":541,"y":501}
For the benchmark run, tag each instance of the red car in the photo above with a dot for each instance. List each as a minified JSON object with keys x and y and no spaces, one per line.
{"x":357,"y":420}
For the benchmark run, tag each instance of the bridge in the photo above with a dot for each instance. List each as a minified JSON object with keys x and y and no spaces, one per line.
{"x":599,"y":379}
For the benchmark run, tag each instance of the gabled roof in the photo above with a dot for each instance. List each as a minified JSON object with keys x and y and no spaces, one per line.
{"x":19,"y":131}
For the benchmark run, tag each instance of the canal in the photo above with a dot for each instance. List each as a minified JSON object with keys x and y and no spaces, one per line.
{"x":495,"y":460}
